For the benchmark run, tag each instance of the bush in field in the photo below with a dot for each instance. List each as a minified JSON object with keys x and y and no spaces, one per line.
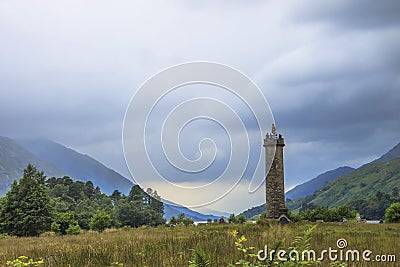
{"x":392,"y":213}
{"x":262,"y":220}
{"x":181,"y":220}
{"x":241,"y":218}
{"x":74,"y":229}
{"x":232,"y":218}
{"x":100,"y":221}
{"x":62,"y":222}
{"x":324,"y":213}
{"x":173,"y":221}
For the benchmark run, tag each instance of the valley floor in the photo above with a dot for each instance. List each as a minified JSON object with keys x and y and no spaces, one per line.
{"x":174,"y":246}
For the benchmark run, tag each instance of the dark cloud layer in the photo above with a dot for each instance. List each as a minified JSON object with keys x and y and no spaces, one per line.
{"x":330,"y":70}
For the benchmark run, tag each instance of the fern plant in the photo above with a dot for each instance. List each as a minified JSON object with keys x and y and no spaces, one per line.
{"x":199,"y":259}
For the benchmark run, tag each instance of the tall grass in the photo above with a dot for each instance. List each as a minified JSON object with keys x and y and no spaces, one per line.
{"x":162,"y":246}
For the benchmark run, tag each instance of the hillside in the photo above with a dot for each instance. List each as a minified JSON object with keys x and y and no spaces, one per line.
{"x":302,"y":190}
{"x":391,"y":154}
{"x":254,"y":212}
{"x":171,"y":209}
{"x":370,"y":189}
{"x":358,"y":188}
{"x":56,"y":160}
{"x":13,"y":160}
{"x":78,"y":165}
{"x":362,"y":183}
{"x":309,"y":187}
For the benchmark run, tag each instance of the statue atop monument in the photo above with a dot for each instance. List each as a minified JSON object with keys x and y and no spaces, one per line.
{"x":273,"y":130}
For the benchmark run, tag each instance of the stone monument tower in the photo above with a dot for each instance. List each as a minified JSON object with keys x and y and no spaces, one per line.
{"x":275,"y":187}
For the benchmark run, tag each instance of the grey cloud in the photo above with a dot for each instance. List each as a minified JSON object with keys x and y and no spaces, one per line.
{"x":330,"y":70}
{"x":348,"y":14}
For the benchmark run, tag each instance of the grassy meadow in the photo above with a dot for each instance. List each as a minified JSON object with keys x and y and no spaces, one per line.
{"x":164,"y":246}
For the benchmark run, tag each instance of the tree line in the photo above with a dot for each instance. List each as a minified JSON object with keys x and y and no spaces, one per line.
{"x":34,"y":205}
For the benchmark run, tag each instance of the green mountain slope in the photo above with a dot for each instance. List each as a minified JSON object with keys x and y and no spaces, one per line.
{"x":362,"y":183}
{"x":369,"y":188}
{"x":13,"y":160}
{"x":309,"y":187}
{"x":300,"y":191}
{"x":391,"y":154}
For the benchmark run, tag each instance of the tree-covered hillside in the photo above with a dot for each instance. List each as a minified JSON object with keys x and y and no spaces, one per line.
{"x":370,"y":190}
{"x":35,"y":204}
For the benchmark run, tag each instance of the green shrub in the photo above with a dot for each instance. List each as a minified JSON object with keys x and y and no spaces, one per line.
{"x":392,"y":213}
{"x":74,"y":229}
{"x":100,"y":221}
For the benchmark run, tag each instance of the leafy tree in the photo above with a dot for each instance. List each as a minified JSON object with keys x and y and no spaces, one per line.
{"x":232,"y":218}
{"x":136,"y":196}
{"x":241,"y":218}
{"x":72,"y":205}
{"x":115,"y":197}
{"x":76,"y":190}
{"x":324,"y":213}
{"x":392,"y":213}
{"x":173,"y":221}
{"x":187,"y":221}
{"x":182,"y":219}
{"x":129,"y":214}
{"x":84,"y":212}
{"x":89,"y":189}
{"x":100,"y":221}
{"x":395,"y":193}
{"x":59,"y":190}
{"x":62,"y":222}
{"x":26,"y":209}
{"x":74,"y":229}
{"x":154,"y":201}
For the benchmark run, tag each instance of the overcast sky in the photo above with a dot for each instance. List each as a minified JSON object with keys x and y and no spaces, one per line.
{"x":330,"y":71}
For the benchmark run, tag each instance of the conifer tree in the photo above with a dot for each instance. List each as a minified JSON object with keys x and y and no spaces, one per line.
{"x":26,"y":209}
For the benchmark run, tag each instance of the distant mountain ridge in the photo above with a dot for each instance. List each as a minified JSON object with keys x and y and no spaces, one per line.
{"x":77,"y":165}
{"x":14,"y":159}
{"x":381,"y":175}
{"x":58,"y":161}
{"x":309,"y":187}
{"x":171,"y":209}
{"x":364,"y":182}
{"x":303,"y":190}
{"x":390,"y":155}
